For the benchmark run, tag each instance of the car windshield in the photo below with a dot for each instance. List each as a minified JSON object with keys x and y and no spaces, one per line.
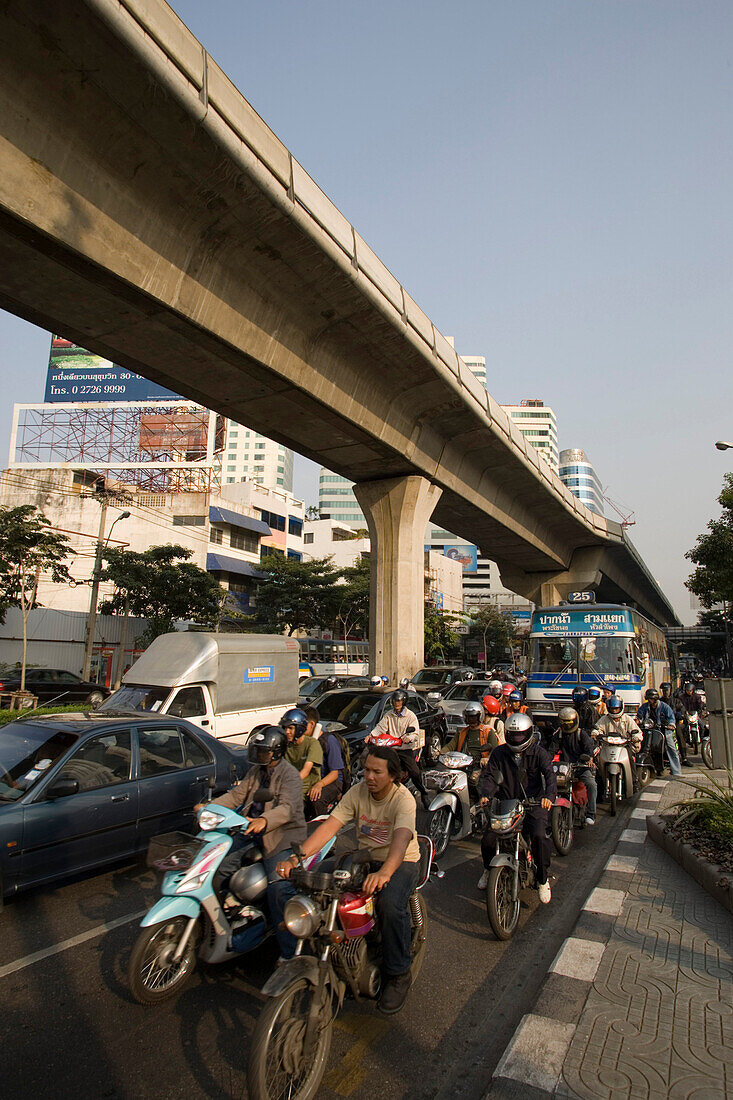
{"x":136,"y":697}
{"x":470,"y":691}
{"x":308,"y":686}
{"x":27,"y":751}
{"x":431,"y":676}
{"x":355,"y":709}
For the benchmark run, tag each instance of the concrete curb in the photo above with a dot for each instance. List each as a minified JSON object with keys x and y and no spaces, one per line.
{"x":707,"y":875}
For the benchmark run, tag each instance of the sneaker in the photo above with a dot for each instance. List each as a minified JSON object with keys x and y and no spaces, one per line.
{"x":394,"y":993}
{"x":483,"y":882}
{"x":545,"y":892}
{"x":590,"y":821}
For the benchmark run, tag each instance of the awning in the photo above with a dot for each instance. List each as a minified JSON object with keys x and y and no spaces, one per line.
{"x":218,"y":563}
{"x":236,"y":519}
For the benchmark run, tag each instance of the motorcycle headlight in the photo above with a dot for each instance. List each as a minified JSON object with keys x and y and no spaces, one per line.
{"x":301,"y":917}
{"x":616,"y":740}
{"x":209,"y":820}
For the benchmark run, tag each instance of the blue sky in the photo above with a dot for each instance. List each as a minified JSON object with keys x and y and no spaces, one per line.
{"x":551,"y":181}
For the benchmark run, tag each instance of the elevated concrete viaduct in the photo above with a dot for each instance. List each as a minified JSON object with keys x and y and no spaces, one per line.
{"x":147,"y":212}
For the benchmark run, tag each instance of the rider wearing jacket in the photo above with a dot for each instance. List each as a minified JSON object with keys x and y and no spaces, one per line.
{"x":662,"y":715}
{"x":587,"y":714}
{"x":522,"y":769}
{"x":687,"y":703}
{"x":402,"y":724}
{"x":576,"y":747}
{"x":477,"y":738}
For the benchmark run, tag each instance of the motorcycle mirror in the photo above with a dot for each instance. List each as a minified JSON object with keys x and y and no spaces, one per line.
{"x":262,"y":794}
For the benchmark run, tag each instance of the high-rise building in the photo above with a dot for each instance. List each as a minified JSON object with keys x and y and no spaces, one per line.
{"x":581,"y":478}
{"x":249,"y":456}
{"x":538,"y":424}
{"x":477,"y":366}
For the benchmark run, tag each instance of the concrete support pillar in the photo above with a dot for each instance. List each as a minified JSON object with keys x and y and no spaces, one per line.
{"x":397,"y":511}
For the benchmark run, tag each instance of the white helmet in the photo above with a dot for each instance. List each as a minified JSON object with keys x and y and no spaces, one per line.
{"x":494,"y":688}
{"x":376,"y":682}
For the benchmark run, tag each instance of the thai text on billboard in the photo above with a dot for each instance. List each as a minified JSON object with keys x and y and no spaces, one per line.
{"x":75,"y":374}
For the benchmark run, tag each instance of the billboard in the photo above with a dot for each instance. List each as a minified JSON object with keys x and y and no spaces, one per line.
{"x":75,"y":374}
{"x":466,"y":555}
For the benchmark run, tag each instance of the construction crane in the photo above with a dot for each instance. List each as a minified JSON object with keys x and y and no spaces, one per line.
{"x":627,"y":517}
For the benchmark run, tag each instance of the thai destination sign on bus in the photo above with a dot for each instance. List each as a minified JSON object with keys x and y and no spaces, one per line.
{"x":578,"y":624}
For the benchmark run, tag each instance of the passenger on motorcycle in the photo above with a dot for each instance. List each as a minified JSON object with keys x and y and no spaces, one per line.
{"x":522,"y":769}
{"x":384,"y":815}
{"x":303,"y":752}
{"x":274,"y":825}
{"x":687,"y":703}
{"x":586,"y":711}
{"x":596,"y":700}
{"x":665,"y":693}
{"x":400,"y":723}
{"x":327,"y":790}
{"x":662,"y":715}
{"x":576,"y":747}
{"x":514,"y":705}
{"x":478,"y":738}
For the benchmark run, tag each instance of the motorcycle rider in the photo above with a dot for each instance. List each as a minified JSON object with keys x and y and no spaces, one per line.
{"x":375,"y":682}
{"x":521,"y":768}
{"x":400,"y":722}
{"x":514,"y":705}
{"x":477,"y":738}
{"x":276,"y":825}
{"x":665,"y":693}
{"x":586,"y":711}
{"x":303,"y":752}
{"x":576,"y":747}
{"x":596,"y":700}
{"x":384,"y":814}
{"x":662,"y":715}
{"x":494,"y":689}
{"x":687,"y":703}
{"x":327,"y":789}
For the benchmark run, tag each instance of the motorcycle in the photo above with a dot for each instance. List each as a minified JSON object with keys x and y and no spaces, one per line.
{"x":650,"y":761}
{"x":615,"y":774}
{"x":706,"y":751}
{"x":570,"y":808}
{"x":335,"y":921}
{"x":201,"y":914}
{"x":691,"y":730}
{"x":455,"y":811}
{"x":512,"y":868}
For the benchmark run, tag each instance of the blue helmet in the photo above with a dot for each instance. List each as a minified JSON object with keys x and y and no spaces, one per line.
{"x":295,"y":717}
{"x":515,"y":697}
{"x":615,"y":705}
{"x":580,"y":696}
{"x":594,"y":695}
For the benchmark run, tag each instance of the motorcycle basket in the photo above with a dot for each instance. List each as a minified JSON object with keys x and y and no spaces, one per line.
{"x":173,"y":851}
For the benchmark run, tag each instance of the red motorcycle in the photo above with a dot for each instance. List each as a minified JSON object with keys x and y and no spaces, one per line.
{"x":571,"y":805}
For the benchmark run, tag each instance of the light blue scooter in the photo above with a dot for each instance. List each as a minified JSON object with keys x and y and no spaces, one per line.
{"x":195,"y":918}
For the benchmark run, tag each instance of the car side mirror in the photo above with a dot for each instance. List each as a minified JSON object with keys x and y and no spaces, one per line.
{"x":63,"y":787}
{"x":262,"y":794}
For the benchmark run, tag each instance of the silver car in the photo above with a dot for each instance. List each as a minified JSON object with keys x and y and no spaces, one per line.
{"x":455,"y":699}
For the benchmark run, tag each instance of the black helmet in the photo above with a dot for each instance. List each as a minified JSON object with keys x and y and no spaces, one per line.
{"x":651,"y":694}
{"x":689,"y":687}
{"x":331,"y":683}
{"x":665,"y":686}
{"x":518,"y":732}
{"x":580,"y":696}
{"x":615,"y":705}
{"x":397,"y":696}
{"x":568,"y":720}
{"x":267,"y":745}
{"x":472,"y":711}
{"x":594,"y":695}
{"x":295,"y":717}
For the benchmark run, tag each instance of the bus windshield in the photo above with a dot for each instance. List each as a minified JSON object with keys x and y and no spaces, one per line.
{"x":613,"y":658}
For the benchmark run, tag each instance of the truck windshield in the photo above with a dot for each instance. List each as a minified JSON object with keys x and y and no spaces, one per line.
{"x":614,"y":658}
{"x":136,"y":698}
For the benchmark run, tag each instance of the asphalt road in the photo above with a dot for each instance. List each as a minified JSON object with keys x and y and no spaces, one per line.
{"x":73,"y":1027}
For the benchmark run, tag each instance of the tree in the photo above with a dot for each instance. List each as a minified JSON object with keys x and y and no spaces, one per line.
{"x":28,"y":547}
{"x":493,"y":628}
{"x":440,"y":640}
{"x":712,"y":580}
{"x":162,"y":586}
{"x":353,"y":609}
{"x":297,"y":594}
{"x":312,"y":512}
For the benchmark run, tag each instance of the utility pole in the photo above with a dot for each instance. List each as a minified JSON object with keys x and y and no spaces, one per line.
{"x":92,"y":616}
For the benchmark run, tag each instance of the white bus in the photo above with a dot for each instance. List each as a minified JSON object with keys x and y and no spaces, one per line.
{"x":608,"y":645}
{"x":322,"y":656}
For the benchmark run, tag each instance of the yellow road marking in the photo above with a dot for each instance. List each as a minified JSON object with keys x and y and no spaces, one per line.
{"x":346,"y":1077}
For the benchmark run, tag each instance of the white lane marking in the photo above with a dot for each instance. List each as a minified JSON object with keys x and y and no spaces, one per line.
{"x":633,"y":836}
{"x":64,"y":945}
{"x":605,"y":901}
{"x":657,"y":785}
{"x":622,"y":863}
{"x":642,"y":811}
{"x":649,"y":798}
{"x":536,"y":1052}
{"x":578,"y":959}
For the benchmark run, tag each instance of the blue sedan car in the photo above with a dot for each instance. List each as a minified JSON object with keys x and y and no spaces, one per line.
{"x":79,"y":791}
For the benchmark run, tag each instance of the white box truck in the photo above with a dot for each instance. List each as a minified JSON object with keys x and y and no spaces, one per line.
{"x":227,"y":684}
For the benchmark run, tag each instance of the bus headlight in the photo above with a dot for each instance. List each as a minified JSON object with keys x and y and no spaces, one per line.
{"x":301,"y":917}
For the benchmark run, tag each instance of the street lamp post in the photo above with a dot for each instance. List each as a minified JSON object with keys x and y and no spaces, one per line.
{"x":96,"y":576}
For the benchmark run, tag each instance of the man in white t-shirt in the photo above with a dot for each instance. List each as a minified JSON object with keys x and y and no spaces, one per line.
{"x":384,"y":815}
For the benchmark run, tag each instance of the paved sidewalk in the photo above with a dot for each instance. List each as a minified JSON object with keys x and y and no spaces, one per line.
{"x":639,"y":1000}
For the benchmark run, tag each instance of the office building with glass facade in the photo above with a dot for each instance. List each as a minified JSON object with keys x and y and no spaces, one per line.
{"x":581,"y":478}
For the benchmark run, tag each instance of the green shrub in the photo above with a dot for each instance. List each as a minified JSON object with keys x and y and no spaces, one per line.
{"x":7,"y":716}
{"x":711,"y":806}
